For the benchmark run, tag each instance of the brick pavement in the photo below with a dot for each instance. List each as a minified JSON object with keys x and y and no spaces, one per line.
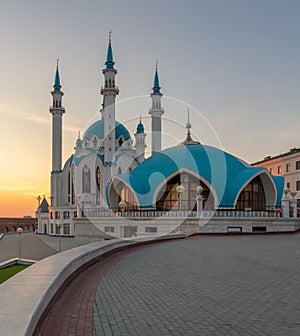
{"x":233,"y":285}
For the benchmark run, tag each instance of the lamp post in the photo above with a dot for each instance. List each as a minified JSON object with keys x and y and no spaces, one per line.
{"x":19,"y":230}
{"x":180,"y":190}
{"x":286,"y":204}
{"x":122,"y":206}
{"x":199,"y":199}
{"x":59,"y":224}
{"x":294,"y":203}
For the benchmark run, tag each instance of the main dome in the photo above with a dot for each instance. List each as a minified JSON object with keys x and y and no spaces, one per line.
{"x":97,"y":128}
{"x":224,"y":173}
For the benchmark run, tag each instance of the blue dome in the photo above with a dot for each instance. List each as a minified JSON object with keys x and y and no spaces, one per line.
{"x":140,"y":128}
{"x":97,"y":129}
{"x":225,"y":173}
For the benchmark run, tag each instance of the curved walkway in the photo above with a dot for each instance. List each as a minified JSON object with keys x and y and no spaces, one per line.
{"x":204,"y":286}
{"x":233,"y":285}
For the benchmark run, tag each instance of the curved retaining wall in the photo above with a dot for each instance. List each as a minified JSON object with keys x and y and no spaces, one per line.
{"x":26,"y":296}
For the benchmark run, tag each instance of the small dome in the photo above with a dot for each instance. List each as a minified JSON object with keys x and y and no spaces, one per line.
{"x":97,"y":129}
{"x":140,"y":128}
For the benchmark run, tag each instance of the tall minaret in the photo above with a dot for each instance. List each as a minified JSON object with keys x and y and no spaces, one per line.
{"x":109,"y":92}
{"x":140,"y":144}
{"x":57,"y":110}
{"x":156,"y":112}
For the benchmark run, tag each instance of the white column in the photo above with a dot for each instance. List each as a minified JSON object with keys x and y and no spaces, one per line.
{"x":285,"y":207}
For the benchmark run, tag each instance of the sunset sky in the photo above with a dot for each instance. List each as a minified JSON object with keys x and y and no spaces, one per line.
{"x":234,"y":63}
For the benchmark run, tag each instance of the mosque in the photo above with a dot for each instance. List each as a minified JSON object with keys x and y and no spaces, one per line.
{"x":108,"y":173}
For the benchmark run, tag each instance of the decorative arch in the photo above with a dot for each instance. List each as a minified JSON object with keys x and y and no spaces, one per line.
{"x":86,"y":180}
{"x":120,"y":191}
{"x":258,"y":193}
{"x":190,"y":181}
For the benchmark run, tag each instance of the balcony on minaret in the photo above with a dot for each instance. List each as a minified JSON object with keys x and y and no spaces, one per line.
{"x":107,"y":88}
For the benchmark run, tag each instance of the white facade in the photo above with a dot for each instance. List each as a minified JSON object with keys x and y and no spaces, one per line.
{"x":105,"y":149}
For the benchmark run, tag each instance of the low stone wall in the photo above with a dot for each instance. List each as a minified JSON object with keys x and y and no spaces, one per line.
{"x":26,"y":296}
{"x":190,"y":225}
{"x":10,"y":225}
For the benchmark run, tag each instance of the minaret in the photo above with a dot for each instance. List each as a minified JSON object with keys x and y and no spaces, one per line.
{"x":109,"y":92}
{"x":57,"y":110}
{"x":140,"y":144}
{"x":156,"y":112}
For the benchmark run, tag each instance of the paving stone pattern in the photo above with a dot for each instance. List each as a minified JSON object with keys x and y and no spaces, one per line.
{"x":234,"y":285}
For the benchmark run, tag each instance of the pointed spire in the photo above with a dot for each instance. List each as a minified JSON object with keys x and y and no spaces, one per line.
{"x":156,"y":87}
{"x":109,"y":59}
{"x":189,"y":140}
{"x":57,"y":85}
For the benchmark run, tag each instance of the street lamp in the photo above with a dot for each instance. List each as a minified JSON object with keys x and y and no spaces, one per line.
{"x":199,"y":199}
{"x":19,"y":230}
{"x":180,"y":190}
{"x":122,"y":205}
{"x":59,"y":224}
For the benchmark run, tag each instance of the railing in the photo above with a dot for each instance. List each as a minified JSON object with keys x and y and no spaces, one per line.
{"x":222,"y":213}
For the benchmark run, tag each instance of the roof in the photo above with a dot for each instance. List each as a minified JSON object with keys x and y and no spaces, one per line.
{"x":44,"y":206}
{"x":57,"y":85}
{"x":97,"y":128}
{"x":269,"y":158}
{"x":140,"y":128}
{"x":156,"y":87}
{"x":225,"y":173}
{"x":109,"y":59}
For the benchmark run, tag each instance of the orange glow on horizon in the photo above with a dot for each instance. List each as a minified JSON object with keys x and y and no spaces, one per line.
{"x":17,"y":203}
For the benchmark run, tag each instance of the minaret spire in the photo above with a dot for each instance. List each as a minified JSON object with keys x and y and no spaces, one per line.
{"x":109,"y":58}
{"x":156,"y":111}
{"x":57,"y":85}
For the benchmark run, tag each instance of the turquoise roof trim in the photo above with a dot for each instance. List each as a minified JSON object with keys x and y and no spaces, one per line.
{"x":225,"y":173}
{"x":97,"y":128}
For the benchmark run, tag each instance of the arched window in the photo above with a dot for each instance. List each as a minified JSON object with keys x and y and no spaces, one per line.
{"x":168,"y":198}
{"x":73,"y":185}
{"x":98,"y":185}
{"x":252,"y":196}
{"x":69,"y":186}
{"x":86,"y":180}
{"x":120,"y":141}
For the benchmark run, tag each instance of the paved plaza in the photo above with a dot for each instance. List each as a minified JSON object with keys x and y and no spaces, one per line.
{"x":233,"y":285}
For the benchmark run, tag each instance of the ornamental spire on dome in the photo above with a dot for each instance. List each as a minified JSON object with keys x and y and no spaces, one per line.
{"x":188,"y":140}
{"x":109,"y":59}
{"x":57,"y":85}
{"x":156,"y":88}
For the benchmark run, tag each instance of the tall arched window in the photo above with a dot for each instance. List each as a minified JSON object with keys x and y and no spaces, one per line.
{"x":73,"y":185}
{"x":69,"y":186}
{"x":98,"y":185}
{"x":168,"y":199}
{"x":253,"y":196}
{"x":86,"y":180}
